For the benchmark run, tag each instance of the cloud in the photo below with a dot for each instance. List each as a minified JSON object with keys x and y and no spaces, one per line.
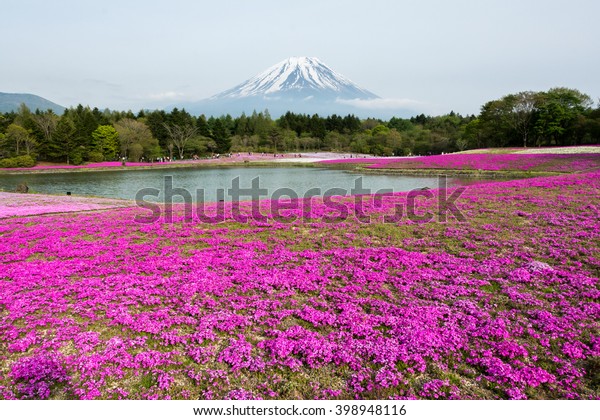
{"x":167,"y":96}
{"x":383,"y":103}
{"x":102,"y":84}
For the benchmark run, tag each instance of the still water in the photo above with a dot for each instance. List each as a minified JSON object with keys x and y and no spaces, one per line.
{"x":152,"y":183}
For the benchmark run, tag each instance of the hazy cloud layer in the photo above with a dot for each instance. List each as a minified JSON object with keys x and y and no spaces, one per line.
{"x":384,"y":103}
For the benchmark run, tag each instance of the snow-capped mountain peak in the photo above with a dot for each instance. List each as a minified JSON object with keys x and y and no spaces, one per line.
{"x":299,"y":77}
{"x":302,"y":85}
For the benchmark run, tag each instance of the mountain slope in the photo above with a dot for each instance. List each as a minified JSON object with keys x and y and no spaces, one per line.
{"x":298,"y":84}
{"x":12,"y":101}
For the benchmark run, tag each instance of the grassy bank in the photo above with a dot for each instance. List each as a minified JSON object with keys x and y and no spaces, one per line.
{"x":460,"y":173}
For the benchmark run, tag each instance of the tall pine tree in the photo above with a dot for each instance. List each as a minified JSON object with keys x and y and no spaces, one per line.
{"x":220,"y":135}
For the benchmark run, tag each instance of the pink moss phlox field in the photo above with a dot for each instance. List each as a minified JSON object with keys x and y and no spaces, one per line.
{"x":504,"y":305}
{"x":12,"y":204}
{"x":486,"y":162}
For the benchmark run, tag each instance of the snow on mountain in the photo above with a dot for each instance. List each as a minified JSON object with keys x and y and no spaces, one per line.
{"x":298,"y":76}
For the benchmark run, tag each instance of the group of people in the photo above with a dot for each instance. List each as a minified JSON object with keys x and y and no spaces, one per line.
{"x":164,"y":159}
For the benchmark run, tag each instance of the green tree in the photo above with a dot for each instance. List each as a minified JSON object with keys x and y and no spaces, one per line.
{"x":258,"y":124}
{"x":3,"y":146}
{"x":63,"y":144}
{"x":290,"y":140}
{"x":202,"y":125}
{"x":85,"y":122}
{"x":495,"y":125}
{"x":334,"y":141}
{"x":220,"y":135}
{"x":317,"y":127}
{"x":106,"y":141}
{"x":136,"y":151}
{"x":393,"y":141}
{"x":135,"y":136}
{"x":400,"y":124}
{"x":276,"y":139}
{"x":557,"y":115}
{"x":21,"y":139}
{"x":180,"y":118}
{"x":407,"y":144}
{"x":360,"y":143}
{"x":241,"y":126}
{"x":210,"y":145}
{"x":46,"y":123}
{"x":156,"y":123}
{"x":24,"y":117}
{"x":522,"y":109}
{"x":471,"y":135}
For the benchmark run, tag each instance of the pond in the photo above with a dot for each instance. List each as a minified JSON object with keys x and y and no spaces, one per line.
{"x":217,"y":184}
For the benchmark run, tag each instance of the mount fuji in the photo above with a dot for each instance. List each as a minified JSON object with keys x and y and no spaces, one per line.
{"x":298,"y":84}
{"x":302,"y":78}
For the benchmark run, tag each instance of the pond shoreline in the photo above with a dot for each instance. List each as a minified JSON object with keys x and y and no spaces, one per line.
{"x":466,"y":173}
{"x":470,"y":173}
{"x":210,"y":165}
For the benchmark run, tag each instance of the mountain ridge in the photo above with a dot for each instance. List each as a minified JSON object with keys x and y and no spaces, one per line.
{"x":10,"y":102}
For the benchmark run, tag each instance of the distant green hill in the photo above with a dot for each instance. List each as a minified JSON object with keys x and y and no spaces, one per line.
{"x":11,"y":102}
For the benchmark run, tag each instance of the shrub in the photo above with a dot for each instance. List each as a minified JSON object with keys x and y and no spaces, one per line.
{"x":25,"y":161}
{"x":96,"y":157}
{"x":76,"y":157}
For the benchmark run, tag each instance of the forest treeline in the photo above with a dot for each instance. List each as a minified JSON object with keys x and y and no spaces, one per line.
{"x":557,"y":117}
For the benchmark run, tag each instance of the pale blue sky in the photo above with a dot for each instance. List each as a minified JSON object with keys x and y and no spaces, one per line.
{"x":446,"y":55}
